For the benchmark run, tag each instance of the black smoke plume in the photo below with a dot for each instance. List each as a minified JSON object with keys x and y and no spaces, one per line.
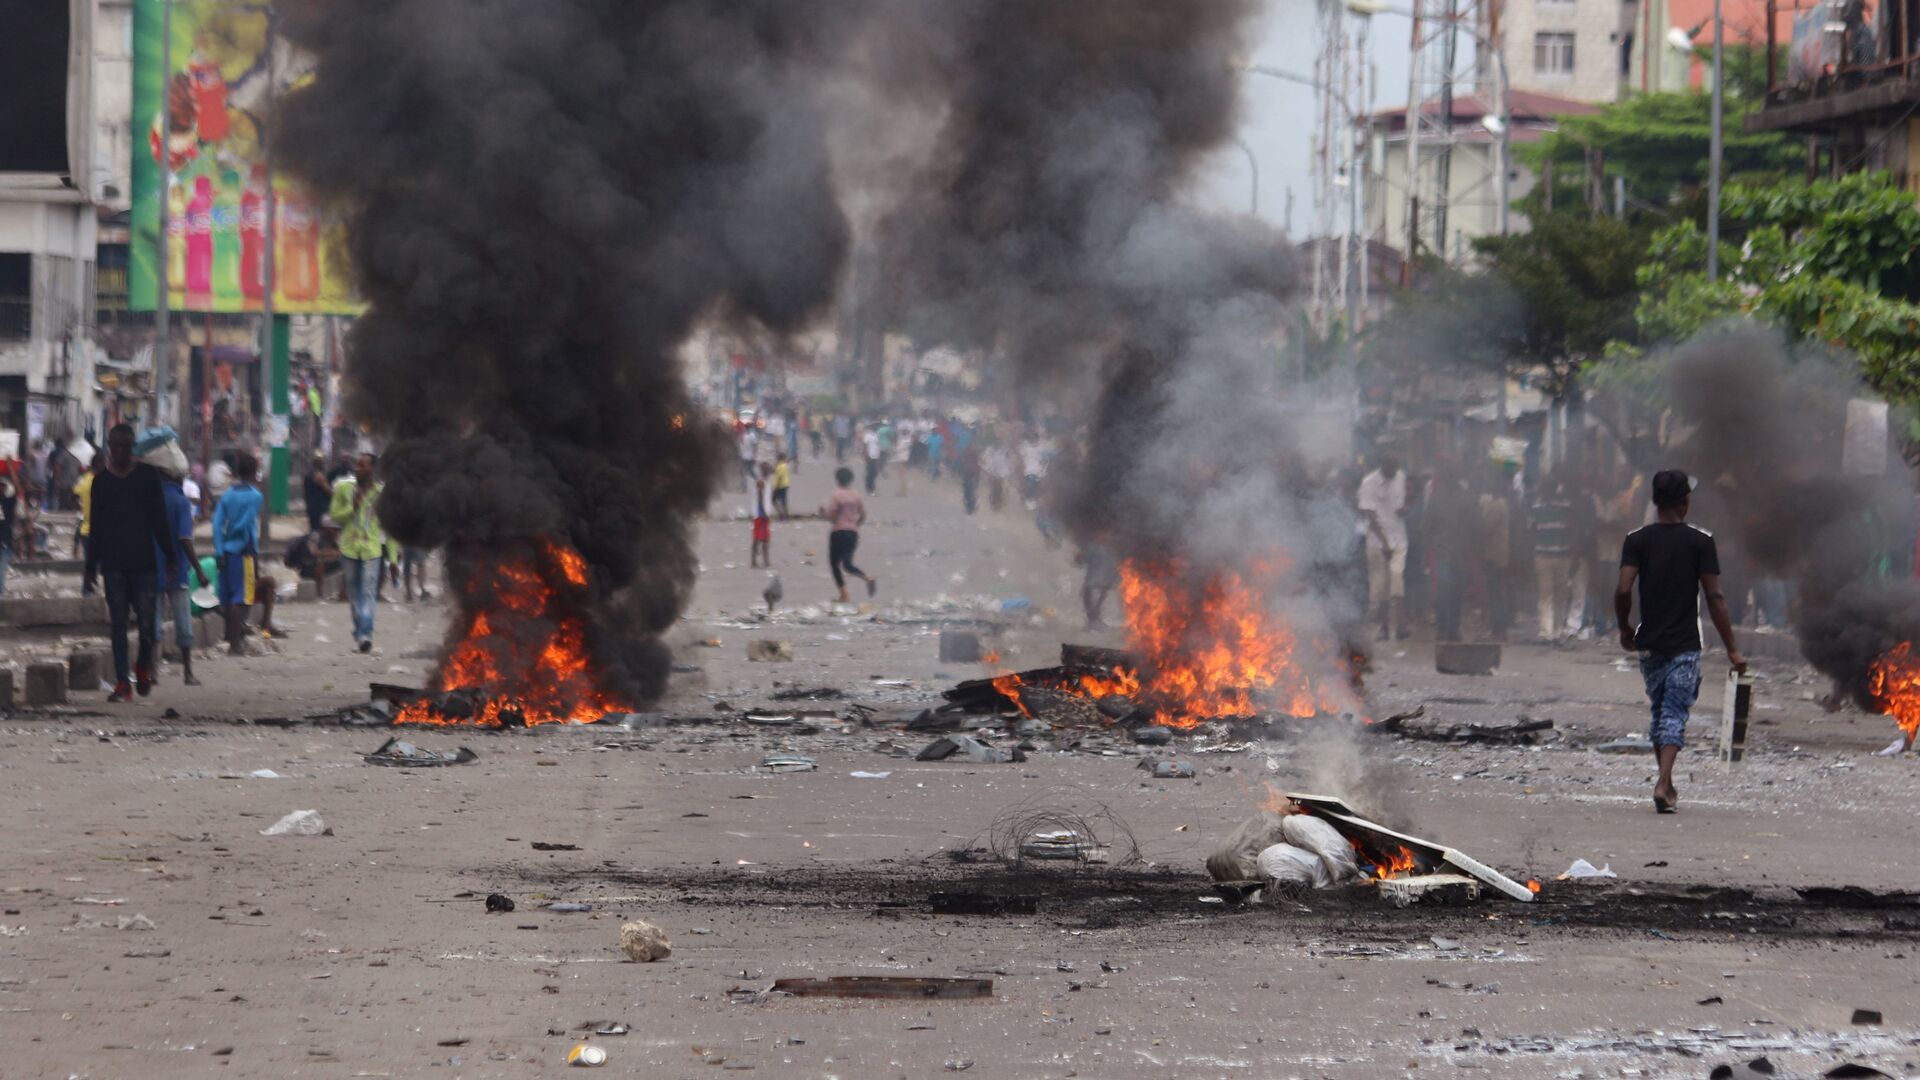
{"x":1764,"y":434}
{"x":543,"y":198}
{"x":1047,"y":227}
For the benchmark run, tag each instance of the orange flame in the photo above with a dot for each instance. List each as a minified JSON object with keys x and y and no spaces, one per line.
{"x":1894,"y":681}
{"x":549,"y":685}
{"x":1213,"y":647}
{"x":1397,"y":864}
{"x":1009,"y":685}
{"x":1533,"y":886}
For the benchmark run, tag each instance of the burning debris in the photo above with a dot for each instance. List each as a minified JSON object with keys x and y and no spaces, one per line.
{"x":1313,"y":841}
{"x":1097,"y":686}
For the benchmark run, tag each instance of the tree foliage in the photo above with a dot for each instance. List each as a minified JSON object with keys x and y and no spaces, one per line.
{"x":1659,"y":143}
{"x":1831,"y":262}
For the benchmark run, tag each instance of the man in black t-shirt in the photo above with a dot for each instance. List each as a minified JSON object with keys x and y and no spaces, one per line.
{"x":1672,"y":562}
{"x":131,"y":538}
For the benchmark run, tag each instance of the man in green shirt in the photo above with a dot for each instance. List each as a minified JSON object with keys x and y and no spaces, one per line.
{"x":362,"y":544}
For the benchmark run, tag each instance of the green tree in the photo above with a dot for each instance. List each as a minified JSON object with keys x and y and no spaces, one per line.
{"x":1831,"y":262}
{"x":1659,"y":143}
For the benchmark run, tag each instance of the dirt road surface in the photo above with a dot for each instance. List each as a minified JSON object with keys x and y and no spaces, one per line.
{"x":368,"y":952}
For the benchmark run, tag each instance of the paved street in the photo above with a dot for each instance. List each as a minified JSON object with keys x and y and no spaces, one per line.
{"x":367,"y":952}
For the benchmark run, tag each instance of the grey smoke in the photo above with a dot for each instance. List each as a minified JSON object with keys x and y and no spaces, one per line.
{"x":1763,"y":432}
{"x":546,"y":197}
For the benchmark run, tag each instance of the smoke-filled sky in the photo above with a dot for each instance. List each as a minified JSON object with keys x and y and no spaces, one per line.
{"x":1277,"y":117}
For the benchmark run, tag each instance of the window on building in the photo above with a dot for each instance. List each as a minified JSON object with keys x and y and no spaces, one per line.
{"x":16,"y":295}
{"x":1553,"y":54}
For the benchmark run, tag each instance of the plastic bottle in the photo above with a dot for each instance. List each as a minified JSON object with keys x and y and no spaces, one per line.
{"x":298,"y":265}
{"x":226,"y":244}
{"x":209,"y":97}
{"x":200,"y":245}
{"x":176,"y":237}
{"x":253,"y":238}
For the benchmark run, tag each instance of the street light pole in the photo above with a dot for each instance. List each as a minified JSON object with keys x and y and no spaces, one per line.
{"x":163,"y":300}
{"x":1253,"y":164}
{"x":1716,"y":148}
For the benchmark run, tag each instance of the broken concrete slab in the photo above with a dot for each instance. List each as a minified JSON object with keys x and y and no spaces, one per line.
{"x":83,"y":670}
{"x":47,"y":611}
{"x":46,"y":683}
{"x":949,"y":745}
{"x":1435,"y":889}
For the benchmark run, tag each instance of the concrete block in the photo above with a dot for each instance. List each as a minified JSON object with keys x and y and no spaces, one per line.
{"x":46,"y":683}
{"x":83,"y":669}
{"x":6,"y":688}
{"x":1439,"y":889}
{"x":1465,"y":657}
{"x":959,"y":647}
{"x":53,"y":611}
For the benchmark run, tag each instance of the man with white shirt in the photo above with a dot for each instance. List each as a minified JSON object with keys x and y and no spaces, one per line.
{"x":1382,"y":503}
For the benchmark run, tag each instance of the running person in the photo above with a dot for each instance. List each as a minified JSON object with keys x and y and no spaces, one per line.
{"x":845,"y":513}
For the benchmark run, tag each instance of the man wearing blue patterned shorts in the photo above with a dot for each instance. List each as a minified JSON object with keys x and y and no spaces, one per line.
{"x":1672,"y":562}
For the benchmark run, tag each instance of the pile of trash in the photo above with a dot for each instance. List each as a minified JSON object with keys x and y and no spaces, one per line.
{"x":1297,"y":851}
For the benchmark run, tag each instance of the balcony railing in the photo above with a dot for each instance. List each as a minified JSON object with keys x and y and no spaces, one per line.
{"x":1839,"y":45}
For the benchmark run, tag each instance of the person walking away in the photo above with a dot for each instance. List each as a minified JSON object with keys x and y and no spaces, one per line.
{"x":845,"y":513}
{"x":1102,"y":576}
{"x":128,"y":514}
{"x":936,"y":452}
{"x":413,"y":569}
{"x":793,"y":439}
{"x":83,"y":494}
{"x":174,"y":596}
{"x":1672,"y":563}
{"x":1496,"y":554}
{"x":362,"y":544}
{"x":905,"y":447}
{"x":970,"y":477}
{"x":1382,"y":501}
{"x":749,"y":451}
{"x":873,"y":448}
{"x":842,"y":437}
{"x":761,"y":553}
{"x":998,"y":463}
{"x":782,"y":480}
{"x":318,"y":492}
{"x":1455,"y":541}
{"x":1556,"y":567}
{"x":10,"y":500}
{"x":236,"y":549}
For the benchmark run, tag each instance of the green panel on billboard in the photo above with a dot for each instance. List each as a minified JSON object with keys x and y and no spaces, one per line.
{"x":216,"y":208}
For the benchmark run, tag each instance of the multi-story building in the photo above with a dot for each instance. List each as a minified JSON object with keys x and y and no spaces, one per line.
{"x":1601,"y":51}
{"x":48,"y":190}
{"x":1849,"y":82}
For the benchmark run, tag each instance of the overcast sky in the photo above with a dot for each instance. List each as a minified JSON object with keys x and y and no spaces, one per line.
{"x":1277,"y":117}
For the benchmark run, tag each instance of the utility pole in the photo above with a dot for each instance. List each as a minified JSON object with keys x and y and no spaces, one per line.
{"x":1717,"y":148}
{"x":163,"y":299}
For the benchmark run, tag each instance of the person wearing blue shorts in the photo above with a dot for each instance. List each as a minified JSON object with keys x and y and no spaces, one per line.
{"x":236,"y":548}
{"x":1672,"y":562}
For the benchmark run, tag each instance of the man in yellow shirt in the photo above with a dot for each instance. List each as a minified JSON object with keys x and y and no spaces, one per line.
{"x":363,"y":544}
{"x":782,"y":479}
{"x":83,"y":540}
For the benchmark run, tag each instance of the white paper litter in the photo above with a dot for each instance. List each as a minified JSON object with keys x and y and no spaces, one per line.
{"x":1581,"y":868}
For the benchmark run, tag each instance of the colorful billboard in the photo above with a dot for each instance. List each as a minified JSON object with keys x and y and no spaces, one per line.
{"x":216,"y":210}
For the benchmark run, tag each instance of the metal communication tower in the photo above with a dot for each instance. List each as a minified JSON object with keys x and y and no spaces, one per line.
{"x":1452,"y":45}
{"x":1340,"y":85}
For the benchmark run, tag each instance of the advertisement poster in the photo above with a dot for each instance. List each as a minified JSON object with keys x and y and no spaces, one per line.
{"x":216,"y":210}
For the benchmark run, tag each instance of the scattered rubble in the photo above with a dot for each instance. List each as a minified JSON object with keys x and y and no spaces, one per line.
{"x":768,"y":651}
{"x":299,"y":823}
{"x":399,"y":754}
